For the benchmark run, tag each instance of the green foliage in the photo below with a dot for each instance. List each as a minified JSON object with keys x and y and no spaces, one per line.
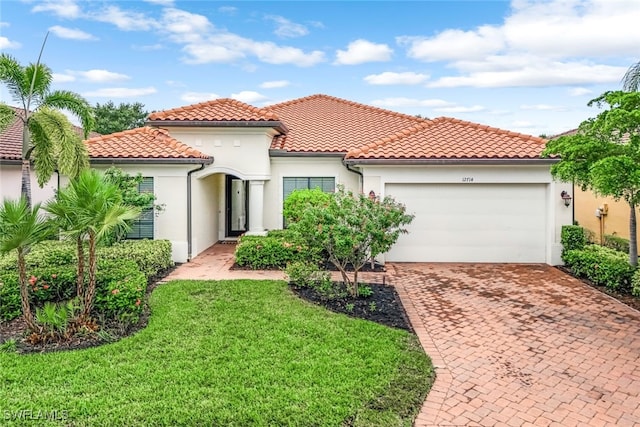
{"x":9,"y":300}
{"x":52,"y":253}
{"x":572,"y":237}
{"x":635,"y":283}
{"x":307,"y":275}
{"x":616,"y":243}
{"x":54,"y":318}
{"x":111,"y":118}
{"x":604,"y":154}
{"x":264,"y":252}
{"x":151,"y":256}
{"x":120,"y":291}
{"x":350,"y":229}
{"x":366,"y":291}
{"x":603,"y":266}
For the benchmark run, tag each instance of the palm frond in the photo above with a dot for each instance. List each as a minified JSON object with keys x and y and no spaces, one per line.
{"x":20,"y":225}
{"x":40,"y":76}
{"x":12,"y":74}
{"x":75,"y":104}
{"x":7,"y":116}
{"x":631,"y":79}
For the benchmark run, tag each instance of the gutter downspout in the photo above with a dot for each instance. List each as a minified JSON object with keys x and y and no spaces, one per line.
{"x":349,"y":168}
{"x":189,"y":209}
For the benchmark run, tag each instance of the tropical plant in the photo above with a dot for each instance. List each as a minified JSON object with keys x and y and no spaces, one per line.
{"x":48,"y":138}
{"x":350,"y":228}
{"x":21,"y":226}
{"x":604,"y":154}
{"x":111,"y":118}
{"x":631,"y":79}
{"x":90,"y":207}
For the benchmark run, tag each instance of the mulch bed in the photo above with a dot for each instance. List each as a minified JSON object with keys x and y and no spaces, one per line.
{"x":625,"y":298}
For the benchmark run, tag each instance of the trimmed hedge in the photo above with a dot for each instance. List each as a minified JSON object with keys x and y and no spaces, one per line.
{"x":572,"y":237}
{"x":603,"y":266}
{"x":273,"y":251}
{"x":616,"y":243}
{"x":120,"y":290}
{"x":151,"y":256}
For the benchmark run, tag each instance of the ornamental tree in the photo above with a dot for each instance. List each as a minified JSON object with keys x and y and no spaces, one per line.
{"x":351,"y":229}
{"x":604,"y":154}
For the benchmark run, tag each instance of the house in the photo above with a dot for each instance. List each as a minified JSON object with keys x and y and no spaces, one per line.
{"x":222,"y":168}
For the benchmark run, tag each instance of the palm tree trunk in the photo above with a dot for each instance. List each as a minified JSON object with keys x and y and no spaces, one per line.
{"x":25,"y":189}
{"x":633,"y":239}
{"x":24,"y":293}
{"x":91,"y":288}
{"x":80,"y":279}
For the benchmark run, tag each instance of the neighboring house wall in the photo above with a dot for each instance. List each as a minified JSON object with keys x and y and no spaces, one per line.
{"x":616,"y":221}
{"x":11,"y":182}
{"x":303,"y":166}
{"x":472,"y":220}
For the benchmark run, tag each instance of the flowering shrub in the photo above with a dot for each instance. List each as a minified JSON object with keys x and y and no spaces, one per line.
{"x":120,"y":290}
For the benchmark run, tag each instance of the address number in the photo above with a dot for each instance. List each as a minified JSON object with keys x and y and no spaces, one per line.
{"x":467,"y":179}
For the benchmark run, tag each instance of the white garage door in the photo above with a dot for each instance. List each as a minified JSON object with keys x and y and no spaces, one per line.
{"x":472,"y":223}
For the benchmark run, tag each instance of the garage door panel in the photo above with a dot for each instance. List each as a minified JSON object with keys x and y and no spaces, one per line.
{"x":472,"y":223}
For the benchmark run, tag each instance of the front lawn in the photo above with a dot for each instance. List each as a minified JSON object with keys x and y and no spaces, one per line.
{"x":226,"y":353}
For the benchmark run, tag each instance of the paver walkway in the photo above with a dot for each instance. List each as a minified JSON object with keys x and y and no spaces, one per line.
{"x":513,"y":345}
{"x":518,"y":345}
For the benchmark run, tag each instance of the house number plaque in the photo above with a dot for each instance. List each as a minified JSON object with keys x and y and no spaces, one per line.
{"x":467,"y":179}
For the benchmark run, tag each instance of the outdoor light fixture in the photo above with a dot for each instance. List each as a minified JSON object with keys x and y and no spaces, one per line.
{"x":566,"y":197}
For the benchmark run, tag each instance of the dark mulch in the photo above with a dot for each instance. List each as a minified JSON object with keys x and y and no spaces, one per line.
{"x":625,"y":298}
{"x":326,"y":265}
{"x":113,"y":331}
{"x":382,"y":306}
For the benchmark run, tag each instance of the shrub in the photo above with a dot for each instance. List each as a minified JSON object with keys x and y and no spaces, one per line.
{"x":9,"y":300}
{"x":603,"y":266}
{"x":635,"y":283}
{"x":306,"y":274}
{"x":52,"y":253}
{"x":120,"y":290}
{"x":264,"y":252}
{"x":572,"y":237}
{"x":150,"y":256}
{"x":616,"y":243}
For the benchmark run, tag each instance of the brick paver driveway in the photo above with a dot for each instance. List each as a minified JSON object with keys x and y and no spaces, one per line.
{"x":522,"y":345}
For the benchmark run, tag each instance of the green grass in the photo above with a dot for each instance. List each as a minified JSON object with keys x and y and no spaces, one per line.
{"x":231,"y":353}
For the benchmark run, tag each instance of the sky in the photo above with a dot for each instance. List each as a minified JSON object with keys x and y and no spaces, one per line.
{"x":528,"y":66}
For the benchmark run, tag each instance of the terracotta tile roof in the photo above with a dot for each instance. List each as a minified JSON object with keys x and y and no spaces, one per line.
{"x":141,"y":143}
{"x":11,"y":138}
{"x":447,"y":138}
{"x":322,"y":123}
{"x":219,"y":110}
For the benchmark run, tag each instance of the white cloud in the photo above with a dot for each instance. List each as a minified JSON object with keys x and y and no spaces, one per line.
{"x":185,"y":27}
{"x":120,"y":92}
{"x":275,"y":84}
{"x":286,"y":28}
{"x":100,"y":76}
{"x":63,"y":8}
{"x":579,"y":91}
{"x":543,"y":107}
{"x":124,"y":19}
{"x":196,"y":97}
{"x":5,"y":43}
{"x":460,"y":109}
{"x":411,"y":102}
{"x":71,"y":33}
{"x":391,"y":78}
{"x":248,"y":96}
{"x":361,"y":51}
{"x":63,"y":78}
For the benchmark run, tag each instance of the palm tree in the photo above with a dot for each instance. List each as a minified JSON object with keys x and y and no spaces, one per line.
{"x":90,"y":207}
{"x":48,"y":138}
{"x":20,"y":227}
{"x":631,"y":79}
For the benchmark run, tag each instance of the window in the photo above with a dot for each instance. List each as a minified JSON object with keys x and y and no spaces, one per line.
{"x":326,"y":184}
{"x":142,"y":228}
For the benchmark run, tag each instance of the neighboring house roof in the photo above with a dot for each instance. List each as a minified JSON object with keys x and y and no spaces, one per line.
{"x":11,"y":138}
{"x":219,"y":112}
{"x":447,"y":138}
{"x":140,"y":144}
{"x":322,"y":123}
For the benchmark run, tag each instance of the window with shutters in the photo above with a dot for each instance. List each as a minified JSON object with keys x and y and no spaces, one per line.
{"x":142,"y":228}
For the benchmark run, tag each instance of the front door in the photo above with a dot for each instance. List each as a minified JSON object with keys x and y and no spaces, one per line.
{"x":237,"y":207}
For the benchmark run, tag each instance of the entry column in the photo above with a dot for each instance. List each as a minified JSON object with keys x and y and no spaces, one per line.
{"x":256,"y":207}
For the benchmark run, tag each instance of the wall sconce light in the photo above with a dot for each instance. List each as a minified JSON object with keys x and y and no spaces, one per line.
{"x":566,"y":198}
{"x":372,"y":195}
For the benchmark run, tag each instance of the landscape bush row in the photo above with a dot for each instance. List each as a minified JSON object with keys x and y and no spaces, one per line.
{"x":603,"y":265}
{"x":123,"y":273}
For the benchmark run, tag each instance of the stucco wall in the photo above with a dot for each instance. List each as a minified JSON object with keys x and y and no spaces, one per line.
{"x":615,"y":222}
{"x":206,"y":211}
{"x":282,"y":167}
{"x":376,"y":177}
{"x":10,"y":184}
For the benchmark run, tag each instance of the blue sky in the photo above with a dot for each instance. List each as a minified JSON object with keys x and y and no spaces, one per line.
{"x":523,"y":65}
